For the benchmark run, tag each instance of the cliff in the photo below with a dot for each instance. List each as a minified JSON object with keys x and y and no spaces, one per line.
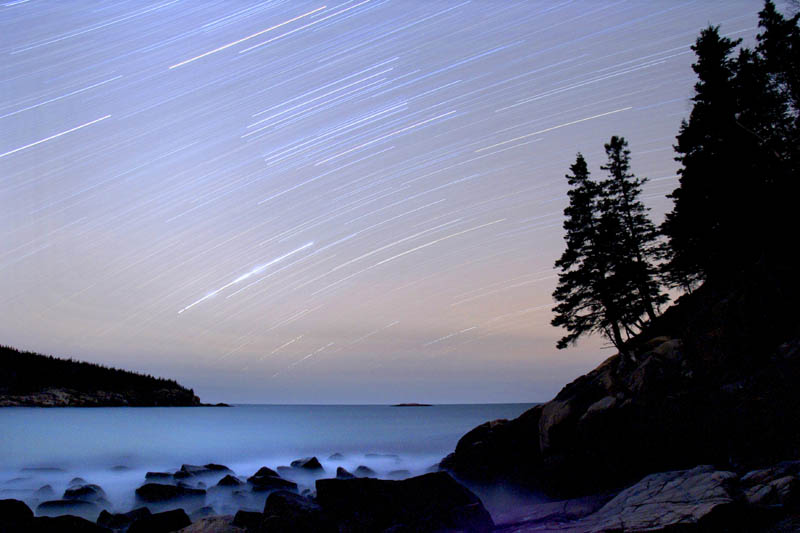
{"x":35,"y":380}
{"x":711,"y":381}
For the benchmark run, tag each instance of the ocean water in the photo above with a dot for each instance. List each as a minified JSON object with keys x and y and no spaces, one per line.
{"x":115,"y":447}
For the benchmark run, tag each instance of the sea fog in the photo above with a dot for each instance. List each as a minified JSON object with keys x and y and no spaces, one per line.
{"x":115,"y":447}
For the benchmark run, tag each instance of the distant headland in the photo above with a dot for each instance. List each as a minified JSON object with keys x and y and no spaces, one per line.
{"x":30,"y":379}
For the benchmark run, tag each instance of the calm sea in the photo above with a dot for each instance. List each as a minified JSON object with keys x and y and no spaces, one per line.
{"x":114,"y":447}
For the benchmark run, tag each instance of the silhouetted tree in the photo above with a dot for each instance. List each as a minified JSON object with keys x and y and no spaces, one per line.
{"x":740,"y":155}
{"x":634,"y":245}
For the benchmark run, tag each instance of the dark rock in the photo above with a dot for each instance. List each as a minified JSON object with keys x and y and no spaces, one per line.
{"x":44,"y":492}
{"x":285,"y":511}
{"x":266,"y":483}
{"x":157,"y":492}
{"x":211,"y":467}
{"x":247,"y":519}
{"x":713,"y":380}
{"x":307,"y":463}
{"x":161,"y":522}
{"x":264,"y":471}
{"x":159,"y":476}
{"x":88,"y":510}
{"x":65,"y":524}
{"x":121,"y":520}
{"x":364,"y":471}
{"x":13,"y":514}
{"x":229,"y":481}
{"x":87,"y":493}
{"x":702,"y":497}
{"x":335,"y":457}
{"x":341,"y":473}
{"x":431,"y":502}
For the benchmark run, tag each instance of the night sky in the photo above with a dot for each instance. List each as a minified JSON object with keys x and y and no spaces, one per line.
{"x":299,"y":202}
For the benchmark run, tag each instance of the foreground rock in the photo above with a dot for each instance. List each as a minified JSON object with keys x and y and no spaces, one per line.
{"x":431,"y":502}
{"x":87,"y":510}
{"x":695,"y":500}
{"x":161,"y":522}
{"x":213,"y":524}
{"x":122,"y":520}
{"x":286,"y":511}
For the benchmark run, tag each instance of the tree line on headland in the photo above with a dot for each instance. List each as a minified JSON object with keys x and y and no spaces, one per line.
{"x":733,"y":213}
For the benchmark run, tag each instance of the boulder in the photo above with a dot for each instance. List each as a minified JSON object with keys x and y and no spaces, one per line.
{"x":66,"y":523}
{"x":264,"y":471}
{"x":341,"y":473}
{"x":229,"y":481}
{"x":157,"y":492}
{"x":364,"y":471}
{"x":267,"y":479}
{"x":701,"y":497}
{"x":161,"y":522}
{"x":211,"y":467}
{"x":427,"y":503}
{"x":307,"y":463}
{"x":213,"y":524}
{"x":87,"y":493}
{"x":87,"y":510}
{"x":13,"y":514}
{"x":121,"y":520}
{"x":286,"y":511}
{"x":268,"y":483}
{"x":248,"y":520}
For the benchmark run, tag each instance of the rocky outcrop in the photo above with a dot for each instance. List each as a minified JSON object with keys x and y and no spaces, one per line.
{"x":310,"y":464}
{"x":427,"y":503}
{"x":699,"y":499}
{"x":664,"y":407}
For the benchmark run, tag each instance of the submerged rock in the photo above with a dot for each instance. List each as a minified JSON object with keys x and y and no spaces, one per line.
{"x":87,"y":493}
{"x":157,"y":492}
{"x":431,"y":502}
{"x":88,"y":510}
{"x":307,"y":463}
{"x":341,"y":473}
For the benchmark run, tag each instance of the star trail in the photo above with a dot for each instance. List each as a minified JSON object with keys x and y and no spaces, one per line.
{"x":354,"y":201}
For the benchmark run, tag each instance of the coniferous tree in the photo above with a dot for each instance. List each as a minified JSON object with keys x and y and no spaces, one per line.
{"x":635,"y":243}
{"x":585,"y":303}
{"x":707,"y":144}
{"x":740,"y":155}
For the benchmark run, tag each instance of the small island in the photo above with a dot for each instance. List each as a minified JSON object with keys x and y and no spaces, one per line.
{"x":30,"y":379}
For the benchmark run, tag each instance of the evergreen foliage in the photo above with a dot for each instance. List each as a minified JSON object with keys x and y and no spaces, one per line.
{"x":607,"y":278}
{"x":27,"y":372}
{"x":740,"y":156}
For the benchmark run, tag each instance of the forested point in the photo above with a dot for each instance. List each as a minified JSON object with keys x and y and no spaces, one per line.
{"x":29,"y":373}
{"x":734,"y":215}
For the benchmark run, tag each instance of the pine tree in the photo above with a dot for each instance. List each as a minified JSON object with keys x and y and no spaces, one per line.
{"x":584,"y":305}
{"x":697,"y":232}
{"x":635,"y":246}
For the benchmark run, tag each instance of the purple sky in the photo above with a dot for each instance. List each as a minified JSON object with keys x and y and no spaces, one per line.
{"x":299,"y":202}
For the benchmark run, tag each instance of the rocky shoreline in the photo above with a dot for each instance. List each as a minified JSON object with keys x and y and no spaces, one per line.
{"x":211,"y":498}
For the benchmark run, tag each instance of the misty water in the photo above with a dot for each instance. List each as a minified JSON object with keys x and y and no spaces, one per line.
{"x":115,"y":447}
